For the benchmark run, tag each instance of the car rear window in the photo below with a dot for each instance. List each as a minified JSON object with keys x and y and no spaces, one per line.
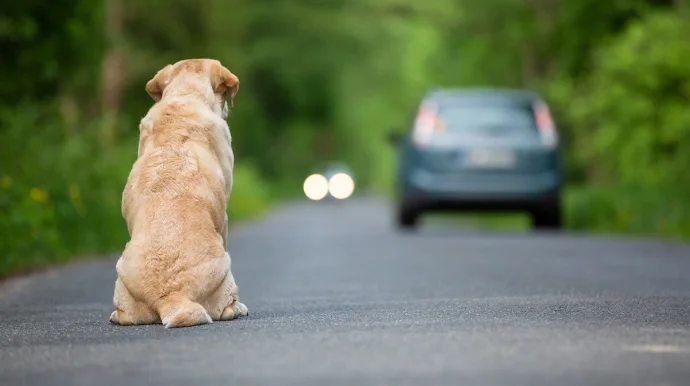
{"x":480,"y":117}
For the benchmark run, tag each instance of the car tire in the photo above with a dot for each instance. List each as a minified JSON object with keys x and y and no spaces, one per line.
{"x":548,"y":216}
{"x":407,"y":218}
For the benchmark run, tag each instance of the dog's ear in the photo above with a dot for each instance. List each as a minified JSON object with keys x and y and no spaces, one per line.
{"x":157,"y":84}
{"x":224,"y":81}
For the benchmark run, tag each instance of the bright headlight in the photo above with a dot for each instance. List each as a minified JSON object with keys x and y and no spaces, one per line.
{"x":341,"y":186}
{"x":315,"y":187}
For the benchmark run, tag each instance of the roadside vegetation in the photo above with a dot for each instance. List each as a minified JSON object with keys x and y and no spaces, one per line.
{"x":329,"y":80}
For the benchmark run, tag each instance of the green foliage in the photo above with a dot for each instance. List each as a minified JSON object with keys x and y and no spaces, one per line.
{"x":250,"y":196}
{"x":625,"y":209}
{"x":608,"y":210}
{"x":633,"y":108}
{"x":49,"y":47}
{"x":629,"y":121}
{"x":59,"y":196}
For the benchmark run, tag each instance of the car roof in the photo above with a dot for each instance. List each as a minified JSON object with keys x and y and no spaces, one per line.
{"x":511,"y":96}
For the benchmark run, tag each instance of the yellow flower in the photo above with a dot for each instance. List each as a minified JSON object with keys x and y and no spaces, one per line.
{"x":6,"y":182}
{"x":662,"y":225}
{"x":38,"y":195}
{"x":623,"y":219}
{"x":74,"y":193}
{"x":75,"y":197}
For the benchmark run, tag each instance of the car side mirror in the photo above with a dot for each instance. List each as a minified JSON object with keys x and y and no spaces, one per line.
{"x":394,"y":137}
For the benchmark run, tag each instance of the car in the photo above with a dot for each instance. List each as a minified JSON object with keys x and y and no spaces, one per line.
{"x":479,"y":150}
{"x":332,"y":181}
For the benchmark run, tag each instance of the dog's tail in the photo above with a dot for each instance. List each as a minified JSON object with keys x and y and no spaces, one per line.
{"x":177,"y":310}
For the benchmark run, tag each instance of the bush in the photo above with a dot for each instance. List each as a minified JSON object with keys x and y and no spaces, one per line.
{"x":630,"y":116}
{"x":629,"y":210}
{"x":629,"y":124}
{"x":60,"y":191}
{"x":250,"y":195}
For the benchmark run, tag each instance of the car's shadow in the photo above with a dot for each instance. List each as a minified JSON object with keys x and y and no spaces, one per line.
{"x":510,"y":229}
{"x":470,"y":231}
{"x":460,"y":230}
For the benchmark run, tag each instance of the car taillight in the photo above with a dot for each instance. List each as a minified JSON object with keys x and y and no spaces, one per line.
{"x":547,"y":130}
{"x":426,"y":124}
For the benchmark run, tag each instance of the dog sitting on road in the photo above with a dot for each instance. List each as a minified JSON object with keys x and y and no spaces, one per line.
{"x":175,"y":269}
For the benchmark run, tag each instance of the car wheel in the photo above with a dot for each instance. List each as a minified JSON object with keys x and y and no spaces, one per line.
{"x":407,"y":218}
{"x":549,"y":216}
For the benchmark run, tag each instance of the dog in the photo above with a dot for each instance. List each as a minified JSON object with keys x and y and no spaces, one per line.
{"x":175,"y":269}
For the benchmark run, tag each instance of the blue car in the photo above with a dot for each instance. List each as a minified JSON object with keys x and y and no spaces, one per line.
{"x":480,"y":150}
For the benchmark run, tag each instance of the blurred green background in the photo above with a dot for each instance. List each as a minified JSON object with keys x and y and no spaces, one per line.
{"x":325,"y":80}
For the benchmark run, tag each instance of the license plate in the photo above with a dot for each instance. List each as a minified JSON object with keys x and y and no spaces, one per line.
{"x":485,"y":158}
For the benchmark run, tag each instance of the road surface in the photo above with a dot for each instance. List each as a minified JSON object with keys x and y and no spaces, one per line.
{"x":337,"y":297}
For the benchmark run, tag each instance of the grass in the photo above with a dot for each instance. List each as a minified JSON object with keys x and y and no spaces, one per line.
{"x":490,"y":221}
{"x":621,"y":210}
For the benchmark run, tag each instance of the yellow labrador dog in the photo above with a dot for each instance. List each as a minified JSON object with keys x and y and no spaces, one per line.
{"x":175,"y":269}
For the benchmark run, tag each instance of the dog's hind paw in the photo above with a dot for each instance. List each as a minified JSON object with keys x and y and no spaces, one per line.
{"x":241,"y":309}
{"x":235,"y":310}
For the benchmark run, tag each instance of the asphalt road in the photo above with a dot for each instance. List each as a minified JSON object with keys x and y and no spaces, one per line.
{"x":337,"y":297}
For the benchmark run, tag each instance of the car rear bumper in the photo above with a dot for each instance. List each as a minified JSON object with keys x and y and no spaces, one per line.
{"x":480,"y":191}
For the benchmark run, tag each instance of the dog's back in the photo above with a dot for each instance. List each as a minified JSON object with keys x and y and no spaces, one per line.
{"x":175,"y":195}
{"x":174,"y":203}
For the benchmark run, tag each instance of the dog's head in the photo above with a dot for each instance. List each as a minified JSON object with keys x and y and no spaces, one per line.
{"x":206,"y":76}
